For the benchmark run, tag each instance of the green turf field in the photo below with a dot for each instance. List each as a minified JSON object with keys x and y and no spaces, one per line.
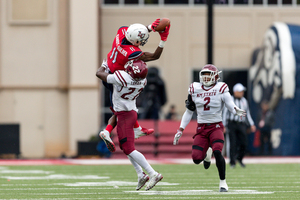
{"x":256,"y":181}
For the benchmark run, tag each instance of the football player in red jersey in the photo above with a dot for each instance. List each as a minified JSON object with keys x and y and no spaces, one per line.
{"x":208,"y":98}
{"x":125,"y":48}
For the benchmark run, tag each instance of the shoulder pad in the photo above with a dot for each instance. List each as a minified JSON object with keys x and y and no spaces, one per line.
{"x":223,"y":87}
{"x":193,"y":87}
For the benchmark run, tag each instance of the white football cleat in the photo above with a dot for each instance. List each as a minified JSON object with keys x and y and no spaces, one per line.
{"x":223,"y":186}
{"x":154,"y":180}
{"x":207,"y":159}
{"x":142,"y":132}
{"x":106,"y":138}
{"x":142,"y":181}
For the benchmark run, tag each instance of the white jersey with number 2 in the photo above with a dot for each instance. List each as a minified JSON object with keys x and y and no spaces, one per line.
{"x":210,"y":101}
{"x":126,"y":90}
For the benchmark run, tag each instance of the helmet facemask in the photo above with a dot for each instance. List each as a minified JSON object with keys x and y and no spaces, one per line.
{"x":137,"y":34}
{"x":209,"y":79}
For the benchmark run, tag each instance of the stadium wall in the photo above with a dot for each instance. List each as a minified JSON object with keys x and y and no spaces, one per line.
{"x":48,"y":60}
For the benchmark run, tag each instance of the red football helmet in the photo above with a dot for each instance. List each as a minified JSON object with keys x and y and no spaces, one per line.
{"x":209,"y":75}
{"x":138,"y":69}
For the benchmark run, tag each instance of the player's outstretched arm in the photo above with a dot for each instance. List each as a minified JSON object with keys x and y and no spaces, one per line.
{"x":147,"y":56}
{"x":101,"y":71}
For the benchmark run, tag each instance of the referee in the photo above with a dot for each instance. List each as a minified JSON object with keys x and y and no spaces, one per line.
{"x":237,"y":126}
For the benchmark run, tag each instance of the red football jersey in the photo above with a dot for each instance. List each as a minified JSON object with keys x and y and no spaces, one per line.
{"x":122,"y":51}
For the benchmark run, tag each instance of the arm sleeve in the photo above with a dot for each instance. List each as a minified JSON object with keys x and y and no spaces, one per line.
{"x":135,"y":55}
{"x":186,"y":118}
{"x":249,"y":118}
{"x":229,"y":102}
{"x":111,"y":79}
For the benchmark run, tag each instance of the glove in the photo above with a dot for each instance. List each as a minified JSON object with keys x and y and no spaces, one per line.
{"x":240,"y":112}
{"x":177,"y":137}
{"x":154,"y":24}
{"x":165,"y":33}
{"x":104,"y":64}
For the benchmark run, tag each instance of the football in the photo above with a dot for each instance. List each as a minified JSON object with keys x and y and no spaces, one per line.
{"x":163,"y":23}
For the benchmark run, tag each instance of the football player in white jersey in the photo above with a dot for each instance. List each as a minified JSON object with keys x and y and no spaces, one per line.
{"x":128,"y":85}
{"x":208,"y":98}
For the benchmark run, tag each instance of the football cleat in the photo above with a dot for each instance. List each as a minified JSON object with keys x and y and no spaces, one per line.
{"x":223,"y":186}
{"x":207,"y":159}
{"x":139,"y":133}
{"x":142,"y":181}
{"x":154,"y":180}
{"x":106,"y":138}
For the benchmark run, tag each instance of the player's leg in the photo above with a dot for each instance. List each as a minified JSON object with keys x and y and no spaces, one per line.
{"x":232,"y":142}
{"x":200,"y":146}
{"x":126,"y":121}
{"x":207,"y":159}
{"x":270,"y":148}
{"x":112,"y":122}
{"x":242,"y":138}
{"x":217,"y":143}
{"x":142,"y":177}
{"x":141,"y":131}
{"x":105,"y":134}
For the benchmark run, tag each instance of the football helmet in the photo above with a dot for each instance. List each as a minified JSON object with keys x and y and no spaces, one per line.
{"x":212,"y":78}
{"x":137,"y":34}
{"x":138,"y":69}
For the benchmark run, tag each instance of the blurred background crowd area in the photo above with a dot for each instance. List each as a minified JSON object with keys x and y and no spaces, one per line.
{"x":50,"y":51}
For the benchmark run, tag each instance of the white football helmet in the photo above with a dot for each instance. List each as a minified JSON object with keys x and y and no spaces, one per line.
{"x":212,"y":78}
{"x":137,"y":34}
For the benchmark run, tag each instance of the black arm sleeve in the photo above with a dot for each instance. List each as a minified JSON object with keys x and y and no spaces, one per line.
{"x":189,"y":104}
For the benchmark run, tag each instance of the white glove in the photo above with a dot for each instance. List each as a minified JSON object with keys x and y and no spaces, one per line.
{"x":240,"y":112}
{"x":177,"y":137}
{"x":104,"y":64}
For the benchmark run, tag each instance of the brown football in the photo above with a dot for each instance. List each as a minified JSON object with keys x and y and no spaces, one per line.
{"x":163,"y":23}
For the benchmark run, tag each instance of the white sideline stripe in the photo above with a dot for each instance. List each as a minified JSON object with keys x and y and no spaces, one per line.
{"x":112,"y":161}
{"x":254,"y":160}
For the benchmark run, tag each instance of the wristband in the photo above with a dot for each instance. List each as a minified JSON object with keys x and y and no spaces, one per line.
{"x":149,"y":27}
{"x":162,"y":44}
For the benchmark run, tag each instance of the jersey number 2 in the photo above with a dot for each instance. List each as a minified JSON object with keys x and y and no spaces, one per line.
{"x":131,"y":91}
{"x":207,"y":99}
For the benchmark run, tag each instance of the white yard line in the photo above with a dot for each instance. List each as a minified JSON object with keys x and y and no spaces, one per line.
{"x":112,"y":161}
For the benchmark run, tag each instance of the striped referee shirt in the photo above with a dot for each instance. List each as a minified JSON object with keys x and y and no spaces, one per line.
{"x":242,"y":103}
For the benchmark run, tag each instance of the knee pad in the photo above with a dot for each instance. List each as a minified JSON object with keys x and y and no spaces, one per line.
{"x":217,"y":145}
{"x":197,"y":154}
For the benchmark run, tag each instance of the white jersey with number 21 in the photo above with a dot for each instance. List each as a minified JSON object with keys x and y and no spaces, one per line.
{"x":126,"y":90}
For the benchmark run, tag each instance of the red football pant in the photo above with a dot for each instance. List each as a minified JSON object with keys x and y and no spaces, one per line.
{"x":207,"y":135}
{"x":125,"y":124}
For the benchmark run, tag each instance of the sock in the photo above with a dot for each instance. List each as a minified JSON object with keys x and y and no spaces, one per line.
{"x":137,"y":129}
{"x":109,"y":128}
{"x":137,"y":167}
{"x":136,"y":125}
{"x":141,"y":160}
{"x":221,"y":165}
